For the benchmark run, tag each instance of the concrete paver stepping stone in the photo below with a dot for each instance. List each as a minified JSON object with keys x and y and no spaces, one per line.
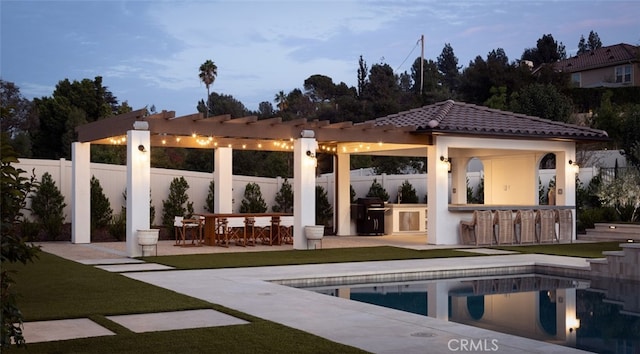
{"x":120,"y":268}
{"x":485,"y":251}
{"x":45,"y":331}
{"x":166,"y":321}
{"x":110,"y":261}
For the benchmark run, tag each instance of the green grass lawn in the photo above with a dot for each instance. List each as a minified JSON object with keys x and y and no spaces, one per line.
{"x":55,"y":288}
{"x":290,"y":257}
{"x":583,"y":249}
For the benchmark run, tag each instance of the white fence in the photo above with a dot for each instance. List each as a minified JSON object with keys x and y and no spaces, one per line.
{"x":113,"y":180}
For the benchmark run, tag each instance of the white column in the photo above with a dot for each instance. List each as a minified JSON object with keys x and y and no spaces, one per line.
{"x":343,"y":205}
{"x":138,"y":187}
{"x":438,"y":229}
{"x":566,"y":180}
{"x":81,"y":193}
{"x":304,"y":189}
{"x":223,"y":180}
{"x":438,"y":300}
{"x":567,"y":322}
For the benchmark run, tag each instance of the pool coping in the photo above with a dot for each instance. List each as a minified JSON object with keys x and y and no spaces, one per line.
{"x":255,"y":291}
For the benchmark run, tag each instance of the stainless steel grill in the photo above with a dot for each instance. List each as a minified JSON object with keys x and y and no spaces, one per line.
{"x":370,"y":216}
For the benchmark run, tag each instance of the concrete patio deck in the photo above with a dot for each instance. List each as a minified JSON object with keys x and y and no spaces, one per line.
{"x":371,"y":328}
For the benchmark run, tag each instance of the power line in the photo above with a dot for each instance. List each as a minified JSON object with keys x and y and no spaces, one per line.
{"x":408,"y":55}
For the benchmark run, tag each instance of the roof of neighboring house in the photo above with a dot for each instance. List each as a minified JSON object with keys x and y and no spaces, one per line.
{"x":600,"y":58}
{"x":451,"y":117}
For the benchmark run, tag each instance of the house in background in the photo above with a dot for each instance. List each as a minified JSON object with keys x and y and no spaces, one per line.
{"x":612,"y":66}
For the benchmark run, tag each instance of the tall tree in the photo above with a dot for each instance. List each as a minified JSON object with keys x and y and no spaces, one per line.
{"x":433,"y":89}
{"x":17,"y":118}
{"x":362,"y":76}
{"x":281,"y":100}
{"x":382,"y":90}
{"x":72,"y":104}
{"x":544,"y":101}
{"x":480,"y":77}
{"x":582,"y":45}
{"x":591,"y":44}
{"x":319,"y":88}
{"x":594,"y":41}
{"x":265,"y":110}
{"x":448,"y":67}
{"x":547,"y":50}
{"x":208,"y":73}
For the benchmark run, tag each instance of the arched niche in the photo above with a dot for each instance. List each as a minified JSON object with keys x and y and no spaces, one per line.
{"x":475,"y":306}
{"x":547,"y":179}
{"x":547,"y":312}
{"x":475,"y":181}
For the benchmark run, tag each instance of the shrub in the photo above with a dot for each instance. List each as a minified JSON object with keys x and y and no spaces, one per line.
{"x":210,"y":203}
{"x":376,"y":190}
{"x":253,"y":201}
{"x":47,"y":205}
{"x":586,"y":218}
{"x":407,"y":193}
{"x":15,"y":189}
{"x":101,"y":212}
{"x":284,"y":199}
{"x":175,"y":204}
{"x":118,"y":225}
{"x":152,"y":208}
{"x":623,"y":194}
{"x":352,"y":194}
{"x":324,"y":211}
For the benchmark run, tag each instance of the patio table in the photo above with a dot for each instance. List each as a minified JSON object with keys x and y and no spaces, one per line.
{"x":215,"y":230}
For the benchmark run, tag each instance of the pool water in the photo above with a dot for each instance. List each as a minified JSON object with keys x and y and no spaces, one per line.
{"x":600,"y":315}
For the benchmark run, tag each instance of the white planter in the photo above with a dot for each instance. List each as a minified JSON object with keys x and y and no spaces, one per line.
{"x":148,"y":237}
{"x":314,"y":232}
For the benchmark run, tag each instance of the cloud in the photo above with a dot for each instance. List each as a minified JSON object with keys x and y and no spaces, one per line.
{"x":33,"y":90}
{"x":257,"y":46}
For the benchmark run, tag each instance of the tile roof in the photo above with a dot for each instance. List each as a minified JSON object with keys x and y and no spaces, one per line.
{"x":600,"y":58}
{"x":449,"y":117}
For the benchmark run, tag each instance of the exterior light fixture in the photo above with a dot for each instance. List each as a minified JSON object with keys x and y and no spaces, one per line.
{"x":307,"y":134}
{"x":141,"y":125}
{"x":574,"y":166}
{"x":141,"y":148}
{"x":447,"y":161}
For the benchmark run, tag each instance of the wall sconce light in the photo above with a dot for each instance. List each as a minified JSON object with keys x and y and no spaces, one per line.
{"x":141,"y":148}
{"x":573,"y":324}
{"x":447,"y":161}
{"x":574,"y":166}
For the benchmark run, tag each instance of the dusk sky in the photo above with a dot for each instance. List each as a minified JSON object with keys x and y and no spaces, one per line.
{"x":149,"y":52}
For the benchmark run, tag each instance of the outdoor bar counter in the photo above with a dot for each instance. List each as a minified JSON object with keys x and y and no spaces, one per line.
{"x":405,"y":218}
{"x":473,"y":207}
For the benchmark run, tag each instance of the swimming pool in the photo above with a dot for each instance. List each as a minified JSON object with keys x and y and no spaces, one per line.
{"x":600,"y":315}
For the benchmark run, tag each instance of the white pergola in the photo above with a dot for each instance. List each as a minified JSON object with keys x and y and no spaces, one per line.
{"x":449,"y":134}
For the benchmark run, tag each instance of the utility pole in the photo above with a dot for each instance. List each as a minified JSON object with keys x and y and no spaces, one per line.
{"x":422,"y":65}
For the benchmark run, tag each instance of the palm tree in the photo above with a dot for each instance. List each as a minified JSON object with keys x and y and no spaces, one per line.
{"x":281,"y":100}
{"x":208,"y":73}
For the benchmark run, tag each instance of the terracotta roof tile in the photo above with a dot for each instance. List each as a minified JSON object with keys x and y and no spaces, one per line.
{"x":599,"y":58}
{"x":463,"y":118}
